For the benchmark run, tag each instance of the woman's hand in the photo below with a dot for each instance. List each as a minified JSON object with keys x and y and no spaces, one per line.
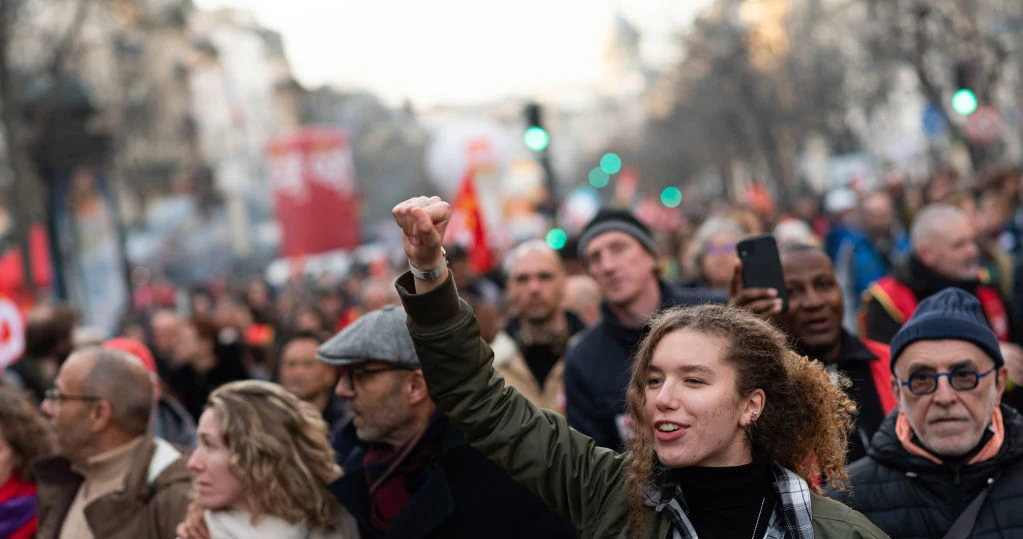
{"x":194,"y":526}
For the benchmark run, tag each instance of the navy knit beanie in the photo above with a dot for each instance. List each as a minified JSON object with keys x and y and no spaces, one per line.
{"x":952,"y":314}
{"x":613,"y":219}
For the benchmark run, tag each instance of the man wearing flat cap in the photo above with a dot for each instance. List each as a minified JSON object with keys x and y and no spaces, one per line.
{"x":948,"y":462}
{"x":408,"y":472}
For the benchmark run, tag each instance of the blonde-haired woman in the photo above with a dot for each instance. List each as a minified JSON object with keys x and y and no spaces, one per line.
{"x":262,"y":468}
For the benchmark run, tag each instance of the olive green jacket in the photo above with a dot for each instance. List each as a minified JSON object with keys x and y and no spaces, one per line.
{"x":563,"y":467}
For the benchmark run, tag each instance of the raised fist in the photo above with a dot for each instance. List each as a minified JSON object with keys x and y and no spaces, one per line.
{"x":423,"y":221}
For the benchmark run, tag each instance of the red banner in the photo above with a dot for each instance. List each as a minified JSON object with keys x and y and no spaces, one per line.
{"x":467,"y":227}
{"x":313,"y":181}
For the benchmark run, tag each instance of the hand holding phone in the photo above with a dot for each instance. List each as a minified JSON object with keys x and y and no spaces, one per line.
{"x":758,"y":284}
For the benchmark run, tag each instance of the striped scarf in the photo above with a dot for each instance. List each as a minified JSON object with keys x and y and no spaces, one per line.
{"x":791,"y":518}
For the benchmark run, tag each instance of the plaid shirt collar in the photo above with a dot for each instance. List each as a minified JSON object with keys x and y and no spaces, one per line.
{"x":791,"y":519}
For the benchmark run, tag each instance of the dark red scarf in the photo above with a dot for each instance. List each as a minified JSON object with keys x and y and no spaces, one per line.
{"x":395,"y":473}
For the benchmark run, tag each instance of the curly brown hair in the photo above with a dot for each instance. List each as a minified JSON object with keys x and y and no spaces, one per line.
{"x":806,"y":419}
{"x":24,"y":429}
{"x":279,"y":452}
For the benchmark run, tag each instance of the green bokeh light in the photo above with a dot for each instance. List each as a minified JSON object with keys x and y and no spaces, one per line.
{"x":557,"y":238}
{"x":599,"y":178}
{"x":671,"y":197}
{"x":611,"y":163}
{"x":536,"y":139}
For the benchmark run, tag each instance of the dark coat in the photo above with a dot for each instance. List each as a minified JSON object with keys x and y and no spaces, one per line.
{"x":465,"y":496}
{"x":910,"y":497}
{"x":597,"y":368}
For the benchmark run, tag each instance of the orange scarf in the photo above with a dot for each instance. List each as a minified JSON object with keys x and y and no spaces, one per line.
{"x":905,"y":434}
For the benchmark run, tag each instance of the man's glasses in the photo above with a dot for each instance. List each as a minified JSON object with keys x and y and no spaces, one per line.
{"x":54,"y":394}
{"x":725,"y":249}
{"x":960,"y":379}
{"x":355,"y":377}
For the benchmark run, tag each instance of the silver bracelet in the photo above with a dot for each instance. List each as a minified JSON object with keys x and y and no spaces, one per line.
{"x":429,"y":275}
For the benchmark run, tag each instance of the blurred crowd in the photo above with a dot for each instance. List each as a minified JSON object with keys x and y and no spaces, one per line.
{"x":297,"y":373}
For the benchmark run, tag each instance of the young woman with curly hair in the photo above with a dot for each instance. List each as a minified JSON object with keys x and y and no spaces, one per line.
{"x":262,"y":468}
{"x":24,"y":436}
{"x":730,"y":428}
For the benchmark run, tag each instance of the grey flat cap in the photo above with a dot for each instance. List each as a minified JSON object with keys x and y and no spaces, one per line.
{"x":376,"y":336}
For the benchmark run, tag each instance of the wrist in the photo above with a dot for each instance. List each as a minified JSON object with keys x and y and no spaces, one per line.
{"x":429,"y":271}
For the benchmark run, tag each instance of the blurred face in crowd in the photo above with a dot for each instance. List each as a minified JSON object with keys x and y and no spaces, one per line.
{"x":302,"y":374}
{"x":258,"y":295}
{"x":536,"y":285}
{"x":166,"y":327}
{"x":202,"y":305}
{"x":993,"y":214}
{"x":718,"y":261}
{"x":217,"y":486}
{"x":70,"y":412}
{"x":949,"y":423}
{"x":379,"y":401}
{"x":192,"y":349}
{"x":814,"y":317}
{"x":693,"y":405}
{"x":878,"y":215}
{"x":951,"y":251}
{"x":309,"y":320}
{"x":621,"y":266}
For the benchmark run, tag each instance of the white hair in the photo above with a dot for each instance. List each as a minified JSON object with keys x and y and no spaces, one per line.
{"x":710,"y":228}
{"x":929,"y":221}
{"x":795,"y":232}
{"x":528,"y":246}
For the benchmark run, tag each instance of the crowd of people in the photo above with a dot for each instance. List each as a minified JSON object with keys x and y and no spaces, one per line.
{"x":627,"y":385}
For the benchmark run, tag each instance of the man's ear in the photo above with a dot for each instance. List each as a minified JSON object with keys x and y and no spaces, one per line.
{"x":101,"y":416}
{"x":416,"y":387}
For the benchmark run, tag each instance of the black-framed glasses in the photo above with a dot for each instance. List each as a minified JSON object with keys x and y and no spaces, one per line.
{"x":960,"y":379}
{"x":54,"y":394}
{"x":355,"y":377}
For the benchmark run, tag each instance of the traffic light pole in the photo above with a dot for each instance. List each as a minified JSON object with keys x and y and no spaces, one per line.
{"x":551,"y":204}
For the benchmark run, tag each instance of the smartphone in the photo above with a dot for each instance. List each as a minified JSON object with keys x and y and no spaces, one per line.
{"x":761,"y":265}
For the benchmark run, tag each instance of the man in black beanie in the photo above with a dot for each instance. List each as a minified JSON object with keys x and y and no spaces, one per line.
{"x":947,"y":462}
{"x":620,"y":253}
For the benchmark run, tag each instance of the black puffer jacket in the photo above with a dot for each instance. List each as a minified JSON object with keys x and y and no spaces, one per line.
{"x":910,"y":497}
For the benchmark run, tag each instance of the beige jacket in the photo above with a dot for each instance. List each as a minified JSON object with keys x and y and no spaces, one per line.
{"x":509,"y":362}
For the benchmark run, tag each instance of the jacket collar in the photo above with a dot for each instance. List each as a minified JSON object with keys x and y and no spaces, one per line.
{"x":151,"y":467}
{"x":887,"y":449}
{"x":925,"y":282}
{"x":791,"y":518}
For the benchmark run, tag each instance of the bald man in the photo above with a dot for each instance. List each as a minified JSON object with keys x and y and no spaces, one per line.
{"x":542,"y":328}
{"x":111,"y":478}
{"x":944,"y":254}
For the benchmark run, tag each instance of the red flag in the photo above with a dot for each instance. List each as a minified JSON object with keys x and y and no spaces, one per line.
{"x":467,"y":227}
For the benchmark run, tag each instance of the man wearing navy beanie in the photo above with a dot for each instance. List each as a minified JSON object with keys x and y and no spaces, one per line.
{"x":947,"y":462}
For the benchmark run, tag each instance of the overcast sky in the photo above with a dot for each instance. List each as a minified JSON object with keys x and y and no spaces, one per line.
{"x":459,"y":51}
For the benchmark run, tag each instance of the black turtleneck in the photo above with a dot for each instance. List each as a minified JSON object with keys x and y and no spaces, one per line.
{"x":724,"y":502}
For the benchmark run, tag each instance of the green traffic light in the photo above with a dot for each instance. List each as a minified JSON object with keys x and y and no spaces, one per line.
{"x":671,"y":197}
{"x":611,"y":163}
{"x":556,"y":239}
{"x":599,"y":178}
{"x":964,"y":102}
{"x":536,"y":139}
